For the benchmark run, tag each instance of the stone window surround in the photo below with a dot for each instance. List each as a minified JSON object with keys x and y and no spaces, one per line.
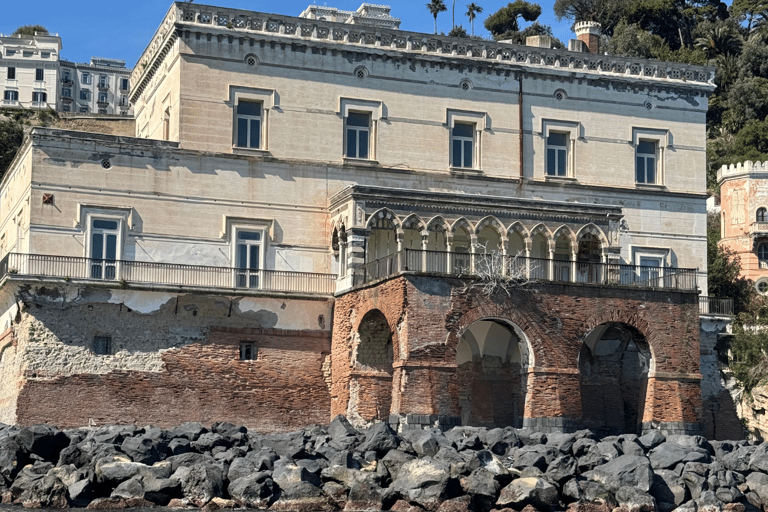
{"x":376,"y":109}
{"x":661,"y":253}
{"x":663,"y":140}
{"x":87,"y":214}
{"x":269,"y":99}
{"x":574,"y":130}
{"x":480,"y":121}
{"x":234,"y":224}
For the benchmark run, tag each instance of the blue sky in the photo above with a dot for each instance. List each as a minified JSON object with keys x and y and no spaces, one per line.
{"x":121,"y":30}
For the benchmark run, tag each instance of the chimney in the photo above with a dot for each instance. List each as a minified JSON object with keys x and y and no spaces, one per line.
{"x":588,"y":32}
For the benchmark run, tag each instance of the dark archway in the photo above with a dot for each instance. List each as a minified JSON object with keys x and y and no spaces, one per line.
{"x":614,"y":362}
{"x":371,"y":377}
{"x":492,"y":363}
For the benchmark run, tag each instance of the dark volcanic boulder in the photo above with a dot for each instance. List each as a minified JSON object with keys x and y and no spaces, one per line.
{"x":529,"y":491}
{"x":302,"y":497}
{"x":44,"y":441}
{"x":482,"y":487}
{"x":380,"y":438}
{"x":627,"y":470}
{"x":423,"y":481}
{"x":634,"y":500}
{"x":13,"y":457}
{"x":256,"y":490}
{"x":148,"y":448}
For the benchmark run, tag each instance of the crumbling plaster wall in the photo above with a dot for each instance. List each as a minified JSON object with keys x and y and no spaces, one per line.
{"x":174,"y":358}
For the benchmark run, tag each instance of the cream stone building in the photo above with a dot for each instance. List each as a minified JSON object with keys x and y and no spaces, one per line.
{"x":101,"y":86}
{"x":280,"y":162}
{"x":29,"y":68}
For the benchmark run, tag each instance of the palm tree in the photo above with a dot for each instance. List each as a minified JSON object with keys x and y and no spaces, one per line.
{"x":472,"y":11}
{"x":436,"y":7}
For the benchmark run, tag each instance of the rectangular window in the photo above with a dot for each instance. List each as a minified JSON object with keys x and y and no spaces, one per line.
{"x":247,"y":351}
{"x":83,"y":110}
{"x":102,"y":97}
{"x":358,"y":134}
{"x":11,"y":73}
{"x":39,"y":97}
{"x":645,"y":161}
{"x":248,"y":253}
{"x":102,"y":345}
{"x":65,"y":76}
{"x":11,"y":95}
{"x":45,"y":55}
{"x":103,"y":82}
{"x":66,"y":92}
{"x":462,"y":145}
{"x":557,"y":154}
{"x":249,"y":124}
{"x":39,"y":75}
{"x":124,"y":84}
{"x":104,"y":248}
{"x":65,"y":108}
{"x":85,"y":94}
{"x":650,"y":271}
{"x":86,"y":78}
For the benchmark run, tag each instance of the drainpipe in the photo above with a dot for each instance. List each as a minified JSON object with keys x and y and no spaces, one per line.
{"x":520,"y":121}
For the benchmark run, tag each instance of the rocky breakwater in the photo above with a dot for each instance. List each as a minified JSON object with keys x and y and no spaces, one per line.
{"x":339,"y":467}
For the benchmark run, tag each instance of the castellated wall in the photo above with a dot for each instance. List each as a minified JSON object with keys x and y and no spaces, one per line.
{"x":173,"y":358}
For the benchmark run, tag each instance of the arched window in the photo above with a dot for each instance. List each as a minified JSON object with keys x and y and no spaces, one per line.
{"x":762,"y":215}
{"x":762,"y":252}
{"x":762,"y":286}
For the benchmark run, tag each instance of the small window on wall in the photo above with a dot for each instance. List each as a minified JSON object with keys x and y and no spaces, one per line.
{"x":247,"y":351}
{"x":39,"y":75}
{"x":557,"y":154}
{"x":11,"y":73}
{"x":248,"y":258}
{"x":462,"y":145}
{"x":102,"y":345}
{"x":761,"y":215}
{"x":761,"y":285}
{"x":249,"y":115}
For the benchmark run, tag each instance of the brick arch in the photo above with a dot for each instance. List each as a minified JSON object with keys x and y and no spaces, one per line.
{"x":627,"y":317}
{"x":383,"y":213}
{"x":393,"y":319}
{"x":593,"y":230}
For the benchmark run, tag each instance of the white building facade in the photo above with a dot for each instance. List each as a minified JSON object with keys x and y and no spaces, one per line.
{"x":99,"y":87}
{"x":29,"y":67}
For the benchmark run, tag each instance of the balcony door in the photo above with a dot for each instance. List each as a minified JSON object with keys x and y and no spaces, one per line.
{"x":248,"y":254}
{"x":105,"y":235}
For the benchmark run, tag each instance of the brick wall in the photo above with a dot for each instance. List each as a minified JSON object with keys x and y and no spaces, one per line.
{"x":428,"y":316}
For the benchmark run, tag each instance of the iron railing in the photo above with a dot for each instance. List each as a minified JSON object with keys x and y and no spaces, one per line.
{"x":538,"y":269}
{"x":715,"y":306}
{"x":165,"y":273}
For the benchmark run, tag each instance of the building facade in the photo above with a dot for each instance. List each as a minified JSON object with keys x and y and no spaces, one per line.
{"x":29,"y":70}
{"x":304,"y":207}
{"x":744,"y":218}
{"x":101,"y":86}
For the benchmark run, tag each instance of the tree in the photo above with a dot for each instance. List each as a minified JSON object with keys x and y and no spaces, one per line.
{"x":753,"y":60}
{"x":11,"y":137}
{"x":629,"y":40}
{"x":436,"y":7}
{"x":505,"y":20}
{"x":472,"y":11}
{"x":719,"y":38}
{"x":458,"y":31}
{"x":30,"y":30}
{"x":606,"y":12}
{"x":747,"y":99}
{"x":723,"y":269}
{"x":748,"y":10}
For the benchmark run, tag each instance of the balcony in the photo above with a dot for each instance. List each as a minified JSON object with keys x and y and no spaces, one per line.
{"x":525,"y":269}
{"x":103,"y":85}
{"x":127,"y":273}
{"x":715,"y":306}
{"x":758,"y":229}
{"x":67,"y":82}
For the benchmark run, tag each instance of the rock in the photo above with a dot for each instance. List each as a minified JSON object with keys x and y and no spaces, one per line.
{"x":146,"y":449}
{"x":364,"y":497}
{"x":208,"y":441}
{"x":340,"y":427}
{"x":499,"y":441}
{"x":609,"y":450}
{"x":80,"y":492}
{"x":460,"y":504}
{"x":668,"y":490}
{"x":112,"y":471}
{"x":529,"y":491}
{"x":708,"y":502}
{"x":190,"y":431}
{"x":404,"y":506}
{"x":667,"y":455}
{"x":561,"y":469}
{"x":581,"y":447}
{"x":302,"y":497}
{"x":425,"y":445}
{"x":589,"y":462}
{"x":380,"y":438}
{"x":651,"y":440}
{"x":626,"y":470}
{"x":179,"y":445}
{"x":588,"y":491}
{"x":46,"y":491}
{"x":482,"y":487}
{"x":161,"y":490}
{"x":635,"y":500}
{"x":423,"y":481}
{"x":219,"y":504}
{"x":131,"y":488}
{"x":562,"y":442}
{"x":201,"y":483}
{"x":729,"y":494}
{"x":44,"y":441}
{"x":395,"y":459}
{"x":287,"y":472}
{"x":13,"y":457}
{"x":256,"y":490}
{"x":695,"y":483}
{"x":117,"y":503}
{"x":739,"y":459}
{"x":692,"y":443}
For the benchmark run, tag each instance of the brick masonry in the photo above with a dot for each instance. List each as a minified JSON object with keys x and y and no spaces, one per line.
{"x":428,"y":315}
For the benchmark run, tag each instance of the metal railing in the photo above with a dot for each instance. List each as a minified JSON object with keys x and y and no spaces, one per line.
{"x":538,"y":269}
{"x":165,"y":273}
{"x":715,"y":306}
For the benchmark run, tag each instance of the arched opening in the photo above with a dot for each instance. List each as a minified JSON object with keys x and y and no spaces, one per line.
{"x":371,"y":376}
{"x":382,"y":240}
{"x":489,"y":253}
{"x":492,"y":363}
{"x":462,"y":246}
{"x":614,"y":363}
{"x":589,"y":257}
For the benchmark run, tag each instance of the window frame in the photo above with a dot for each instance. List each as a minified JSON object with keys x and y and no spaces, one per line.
{"x":85,"y":94}
{"x":573,"y":132}
{"x":250,"y":274}
{"x":662,"y":140}
{"x":103,"y":98}
{"x":235,"y":225}
{"x":11,"y":92}
{"x":11,"y":73}
{"x":269,"y":100}
{"x":39,"y":75}
{"x":462,"y":140}
{"x":376,"y":111}
{"x":41,"y":95}
{"x":103,"y":81}
{"x":660,"y":254}
{"x":358,"y":129}
{"x":85,"y":78}
{"x":762,"y":251}
{"x":107,"y":340}
{"x":761,"y":214}
{"x":249,"y":119}
{"x":248,"y":348}
{"x":467,"y":117}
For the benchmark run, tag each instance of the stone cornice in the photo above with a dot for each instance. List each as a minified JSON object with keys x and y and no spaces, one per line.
{"x":240,"y":24}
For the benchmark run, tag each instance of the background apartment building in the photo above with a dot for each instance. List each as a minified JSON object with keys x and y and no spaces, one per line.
{"x":29,"y":67}
{"x":98,"y":87}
